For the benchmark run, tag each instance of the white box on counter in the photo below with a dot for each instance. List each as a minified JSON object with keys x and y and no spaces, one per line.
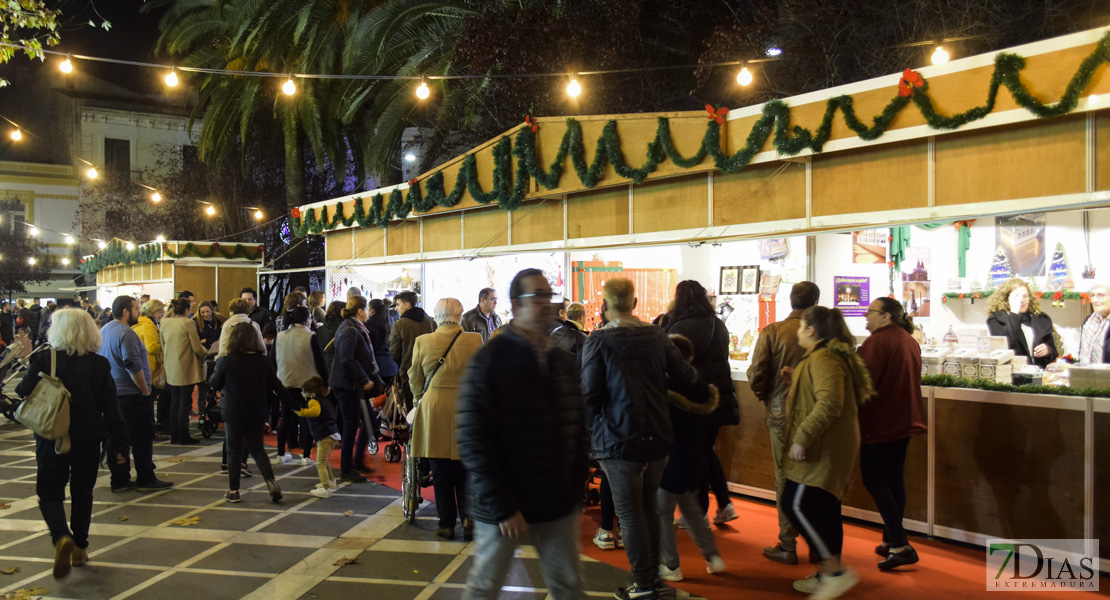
{"x":998,"y":373}
{"x":999,"y":356}
{"x":934,"y":355}
{"x":1089,"y":376}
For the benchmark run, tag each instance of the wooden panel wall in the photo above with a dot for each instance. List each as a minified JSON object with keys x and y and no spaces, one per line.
{"x":201,"y":280}
{"x":670,"y":204}
{"x":231,"y":281}
{"x":536,"y":222}
{"x":1102,"y":150}
{"x":403,"y":238}
{"x":485,"y":227}
{"x":443,"y":232}
{"x":369,"y":242}
{"x":1023,"y":161}
{"x":339,"y":245}
{"x":598,"y":213}
{"x":745,"y":449}
{"x":917,"y":483}
{"x":758,"y":193}
{"x":1009,"y":471}
{"x":888,"y":177}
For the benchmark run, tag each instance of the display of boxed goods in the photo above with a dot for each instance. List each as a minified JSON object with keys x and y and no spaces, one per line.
{"x":970,"y":368}
{"x":995,"y":372}
{"x":934,"y":355}
{"x":1001,"y":356}
{"x":988,"y":343}
{"x":1090,"y":376}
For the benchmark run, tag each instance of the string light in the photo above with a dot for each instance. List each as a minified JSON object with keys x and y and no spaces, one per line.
{"x":744,"y":77}
{"x":92,"y":173}
{"x":66,"y":65}
{"x":17,"y":135}
{"x":65,"y":261}
{"x":171,"y":78}
{"x":129,"y":246}
{"x":156,"y":197}
{"x":289,"y":88}
{"x":940,"y":56}
{"x":257,"y":215}
{"x":422,"y":91}
{"x":31,"y":261}
{"x":160,"y":239}
{"x":33,"y":231}
{"x":410,"y":157}
{"x":100,"y":245}
{"x":211,"y":210}
{"x":69,"y":240}
{"x":573,"y":89}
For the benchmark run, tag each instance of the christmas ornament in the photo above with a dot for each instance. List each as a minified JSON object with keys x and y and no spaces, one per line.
{"x":1000,"y":268}
{"x":717,"y":116}
{"x":910,"y":79}
{"x":1058,"y":270}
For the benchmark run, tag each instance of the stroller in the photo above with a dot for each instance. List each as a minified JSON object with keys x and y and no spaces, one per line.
{"x":394,"y":426}
{"x":211,"y":417}
{"x":13,"y":363}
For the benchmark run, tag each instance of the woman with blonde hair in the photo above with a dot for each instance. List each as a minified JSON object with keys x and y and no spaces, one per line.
{"x":94,"y":415}
{"x":439,"y":360}
{"x":316,"y":306}
{"x":1016,"y":314}
{"x":150,"y":315}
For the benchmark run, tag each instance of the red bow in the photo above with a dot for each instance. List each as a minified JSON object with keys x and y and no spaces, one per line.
{"x":411,"y":182}
{"x":716,"y":115}
{"x":296,"y":213}
{"x":531,"y":122}
{"x":910,"y":79}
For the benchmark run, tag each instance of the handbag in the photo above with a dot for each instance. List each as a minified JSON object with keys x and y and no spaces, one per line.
{"x":46,"y":409}
{"x":158,"y":376}
{"x":412,"y":413}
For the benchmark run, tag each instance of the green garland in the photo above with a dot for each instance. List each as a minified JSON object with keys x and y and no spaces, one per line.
{"x":990,"y":385}
{"x":509,"y":189}
{"x":1070,"y":295}
{"x":116,"y":253}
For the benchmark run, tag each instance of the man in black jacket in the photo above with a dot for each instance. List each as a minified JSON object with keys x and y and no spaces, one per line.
{"x":7,"y":323}
{"x":625,"y":368}
{"x":482,"y":319}
{"x":570,"y":335}
{"x":522,"y":440}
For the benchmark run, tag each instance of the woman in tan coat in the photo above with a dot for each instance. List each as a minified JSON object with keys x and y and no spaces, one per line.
{"x":433,"y":430}
{"x":184,"y":359}
{"x":827,"y":387}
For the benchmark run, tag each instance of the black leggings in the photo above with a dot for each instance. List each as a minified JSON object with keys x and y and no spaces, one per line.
{"x":181,"y":400}
{"x":293,"y":428}
{"x":883,"y":467}
{"x":716,"y":474}
{"x":449,"y":483}
{"x":608,"y":511}
{"x":250,"y":434}
{"x":816,"y":514}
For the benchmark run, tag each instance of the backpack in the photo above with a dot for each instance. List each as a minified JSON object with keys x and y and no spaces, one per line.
{"x":46,"y":409}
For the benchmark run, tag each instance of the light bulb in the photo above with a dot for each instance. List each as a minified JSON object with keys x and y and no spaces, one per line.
{"x":1092,"y":99}
{"x":17,"y":135}
{"x":744,"y":77}
{"x":100,"y":245}
{"x":410,"y":157}
{"x":940,"y":56}
{"x":31,"y":261}
{"x":65,"y":261}
{"x":156,"y":197}
{"x":69,"y":240}
{"x":66,"y":66}
{"x":423,"y":92}
{"x":160,"y":239}
{"x":257,"y":215}
{"x":289,"y":88}
{"x":573,"y":89}
{"x":129,"y":246}
{"x":92,"y":173}
{"x":171,"y":79}
{"x":33,"y":231}
{"x":211,"y":210}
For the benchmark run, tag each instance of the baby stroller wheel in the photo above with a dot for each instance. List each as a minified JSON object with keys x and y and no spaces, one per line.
{"x":372,"y":448}
{"x":393,"y":452}
{"x":593,"y":496}
{"x":206,"y":430}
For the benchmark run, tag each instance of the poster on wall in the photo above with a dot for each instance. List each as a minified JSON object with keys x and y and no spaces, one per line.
{"x":1021,"y":240}
{"x":869,"y":247}
{"x":853,"y":295}
{"x":915,"y":298}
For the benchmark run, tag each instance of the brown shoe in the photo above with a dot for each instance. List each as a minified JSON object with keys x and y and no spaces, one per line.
{"x":79,"y":557}
{"x":63,"y":554}
{"x":778,"y":554}
{"x":445,"y":533}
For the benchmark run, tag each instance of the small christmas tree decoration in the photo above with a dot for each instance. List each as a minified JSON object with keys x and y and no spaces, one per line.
{"x":950,"y":337}
{"x":1058,"y":270}
{"x":976,"y":287}
{"x":1000,"y":268}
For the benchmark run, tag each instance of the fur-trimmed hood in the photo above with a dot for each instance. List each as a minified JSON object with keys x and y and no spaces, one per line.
{"x":861,"y":377}
{"x":684,"y":404}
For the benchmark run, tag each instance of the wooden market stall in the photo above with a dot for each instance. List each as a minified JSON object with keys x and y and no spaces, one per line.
{"x":161,"y":269}
{"x":937,"y":144}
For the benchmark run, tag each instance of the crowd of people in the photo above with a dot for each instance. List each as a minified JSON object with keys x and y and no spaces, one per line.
{"x":512,"y":418}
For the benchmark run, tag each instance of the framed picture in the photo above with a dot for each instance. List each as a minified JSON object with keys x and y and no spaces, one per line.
{"x":730,"y":280}
{"x":749,"y":279}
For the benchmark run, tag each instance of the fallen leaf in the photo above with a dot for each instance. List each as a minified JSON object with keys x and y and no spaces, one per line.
{"x":186,"y":521}
{"x":348,"y":513}
{"x":177,"y":459}
{"x":24,"y":594}
{"x":9,"y":570}
{"x":4,"y":505}
{"x":125,"y":518}
{"x":345,"y":561}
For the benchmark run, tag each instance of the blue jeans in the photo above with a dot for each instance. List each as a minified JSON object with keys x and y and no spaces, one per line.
{"x":138,"y":418}
{"x":555,"y":541}
{"x":634,"y":487}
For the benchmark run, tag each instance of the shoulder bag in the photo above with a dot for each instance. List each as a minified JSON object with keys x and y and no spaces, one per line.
{"x":412,"y":413}
{"x":46,"y":409}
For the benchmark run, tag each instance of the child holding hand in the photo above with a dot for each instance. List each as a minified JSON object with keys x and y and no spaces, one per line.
{"x":320,"y":413}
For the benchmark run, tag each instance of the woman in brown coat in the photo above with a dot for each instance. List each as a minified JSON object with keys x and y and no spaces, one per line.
{"x":433,"y":428}
{"x":827,"y":387}
{"x":184,"y":359}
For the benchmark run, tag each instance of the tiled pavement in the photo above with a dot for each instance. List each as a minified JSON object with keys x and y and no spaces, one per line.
{"x":255,"y":549}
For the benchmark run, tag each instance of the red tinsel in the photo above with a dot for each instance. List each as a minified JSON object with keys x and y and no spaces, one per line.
{"x":296,"y":213}
{"x":531,"y":122}
{"x":717,"y":115}
{"x":910,"y":79}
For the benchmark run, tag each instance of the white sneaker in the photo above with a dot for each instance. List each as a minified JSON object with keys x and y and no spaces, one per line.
{"x":834,"y":586}
{"x":332,"y":484}
{"x":808,"y":585}
{"x":320,"y":492}
{"x":305,"y":461}
{"x":674,"y":574}
{"x":288,"y":459}
{"x":604,"y":539}
{"x":725,"y":514}
{"x":715,"y":565}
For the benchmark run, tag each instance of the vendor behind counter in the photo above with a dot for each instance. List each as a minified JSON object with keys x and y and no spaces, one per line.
{"x":1015,"y":313}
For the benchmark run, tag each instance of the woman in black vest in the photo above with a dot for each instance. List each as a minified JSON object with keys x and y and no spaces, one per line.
{"x":1016,"y":314}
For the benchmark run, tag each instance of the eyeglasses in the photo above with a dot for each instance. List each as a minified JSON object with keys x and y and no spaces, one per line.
{"x":549,"y":296}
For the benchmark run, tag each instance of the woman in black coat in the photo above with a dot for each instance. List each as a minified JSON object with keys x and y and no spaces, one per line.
{"x":1016,"y":314}
{"x":246,"y":380}
{"x":353,"y":373}
{"x":693,"y":317}
{"x":94,"y":417}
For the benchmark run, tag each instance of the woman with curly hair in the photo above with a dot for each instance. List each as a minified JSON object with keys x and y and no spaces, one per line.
{"x":1016,"y":314}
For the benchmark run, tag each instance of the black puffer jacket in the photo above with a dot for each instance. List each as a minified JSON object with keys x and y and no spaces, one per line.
{"x":521,"y":432}
{"x":569,"y":337}
{"x":246,"y":383}
{"x":625,"y":367}
{"x":710,"y":339}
